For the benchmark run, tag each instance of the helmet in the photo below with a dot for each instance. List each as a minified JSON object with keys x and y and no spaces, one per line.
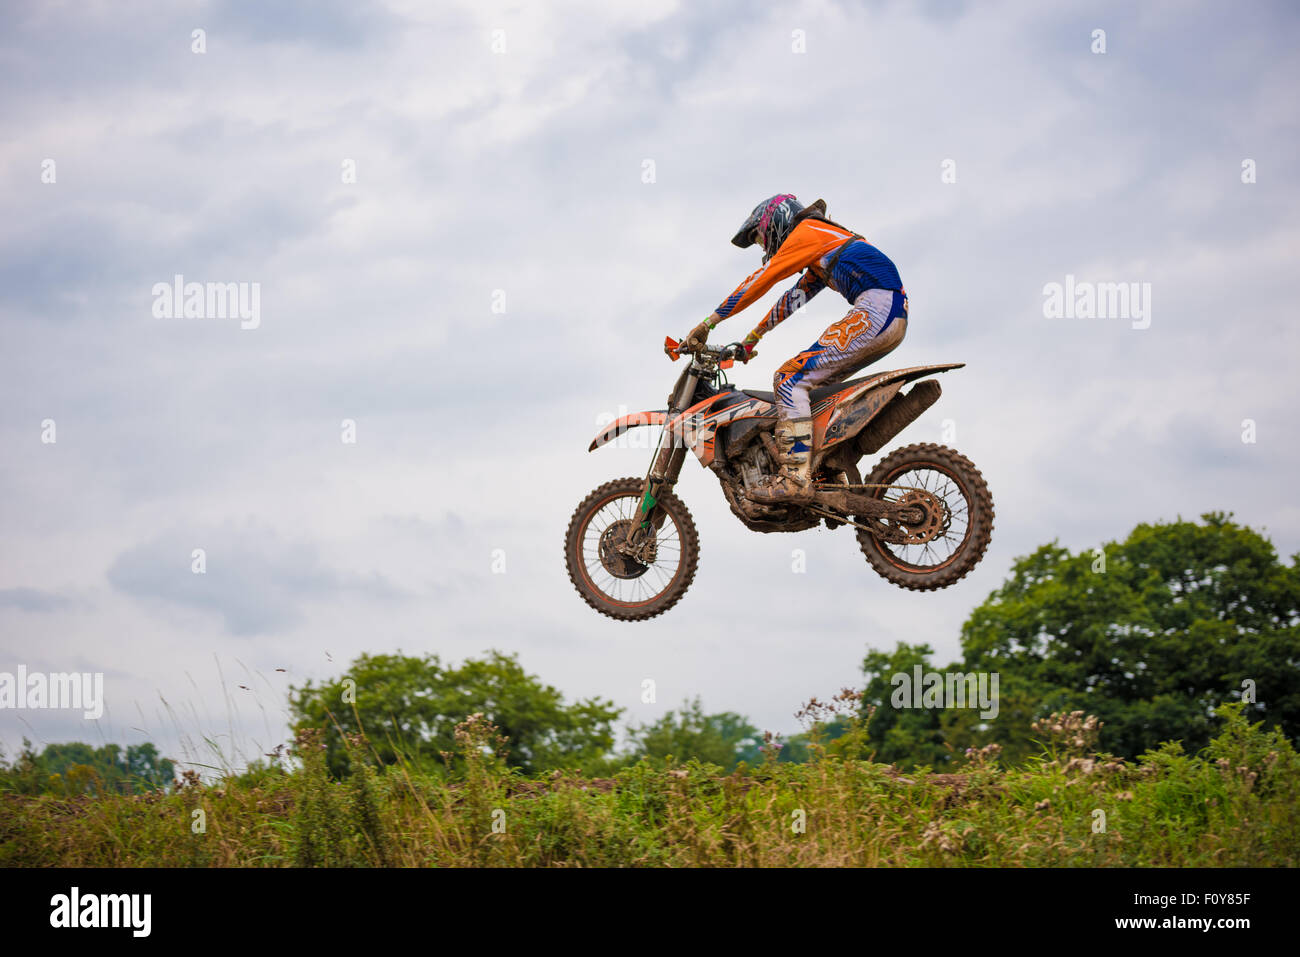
{"x":768,"y":224}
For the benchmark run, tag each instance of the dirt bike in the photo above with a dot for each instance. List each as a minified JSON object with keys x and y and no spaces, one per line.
{"x":923,"y":517}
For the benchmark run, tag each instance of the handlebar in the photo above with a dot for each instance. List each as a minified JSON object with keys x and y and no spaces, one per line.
{"x":734,"y":350}
{"x":727,"y":353}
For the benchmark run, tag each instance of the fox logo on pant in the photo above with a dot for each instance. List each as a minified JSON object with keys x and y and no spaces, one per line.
{"x":102,"y":910}
{"x":846,"y":330}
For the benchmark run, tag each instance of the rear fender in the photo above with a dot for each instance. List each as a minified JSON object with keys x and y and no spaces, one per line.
{"x":626,"y":422}
{"x":844,"y":414}
{"x":836,"y":423}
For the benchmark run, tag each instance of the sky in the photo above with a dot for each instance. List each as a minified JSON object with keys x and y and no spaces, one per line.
{"x":471,"y":225}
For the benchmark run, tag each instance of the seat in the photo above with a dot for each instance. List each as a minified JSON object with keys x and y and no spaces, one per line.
{"x":816,"y":395}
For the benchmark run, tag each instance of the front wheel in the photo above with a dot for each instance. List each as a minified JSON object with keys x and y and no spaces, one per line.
{"x":618,"y":585}
{"x":947,"y":490}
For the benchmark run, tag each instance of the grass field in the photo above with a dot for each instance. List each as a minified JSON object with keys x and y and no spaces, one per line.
{"x":1235,"y":804}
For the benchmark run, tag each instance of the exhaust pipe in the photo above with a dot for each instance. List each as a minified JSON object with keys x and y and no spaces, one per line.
{"x":899,"y":413}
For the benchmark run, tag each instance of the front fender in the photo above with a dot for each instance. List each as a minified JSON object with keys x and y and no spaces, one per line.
{"x":630,"y":421}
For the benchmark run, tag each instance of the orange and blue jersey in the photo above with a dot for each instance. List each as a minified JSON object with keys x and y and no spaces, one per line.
{"x":811,"y":245}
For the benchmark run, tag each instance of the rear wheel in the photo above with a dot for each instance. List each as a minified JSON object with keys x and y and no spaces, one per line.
{"x":616,"y":584}
{"x":946,"y":491}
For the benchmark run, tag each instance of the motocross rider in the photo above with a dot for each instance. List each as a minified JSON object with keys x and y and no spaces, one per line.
{"x":800,"y":238}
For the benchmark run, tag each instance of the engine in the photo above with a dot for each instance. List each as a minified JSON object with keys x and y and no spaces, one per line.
{"x":744,"y":468}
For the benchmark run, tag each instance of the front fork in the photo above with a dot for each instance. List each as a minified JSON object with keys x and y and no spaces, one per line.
{"x":642,"y":537}
{"x":643,"y":534}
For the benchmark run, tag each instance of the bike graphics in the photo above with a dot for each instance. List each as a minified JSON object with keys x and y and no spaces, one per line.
{"x":923,"y":516}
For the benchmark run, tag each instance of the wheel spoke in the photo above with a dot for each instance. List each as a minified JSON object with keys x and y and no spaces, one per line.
{"x":954,"y":525}
{"x":614,"y":517}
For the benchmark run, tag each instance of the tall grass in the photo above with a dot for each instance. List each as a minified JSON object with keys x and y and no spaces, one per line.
{"x":1235,"y":804}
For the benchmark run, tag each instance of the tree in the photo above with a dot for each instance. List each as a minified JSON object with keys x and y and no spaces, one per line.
{"x":411,"y":706}
{"x":797,"y":748}
{"x":901,"y":736}
{"x":79,"y":768}
{"x":724,"y":739}
{"x":1150,"y":634}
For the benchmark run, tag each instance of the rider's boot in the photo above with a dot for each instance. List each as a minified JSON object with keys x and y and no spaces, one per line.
{"x":793,"y":483}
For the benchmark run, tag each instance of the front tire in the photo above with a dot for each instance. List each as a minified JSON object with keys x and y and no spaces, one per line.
{"x":618,"y":586}
{"x":960,"y":534}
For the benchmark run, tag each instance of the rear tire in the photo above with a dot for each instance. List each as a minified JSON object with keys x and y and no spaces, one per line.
{"x":966,"y":496}
{"x":598,"y":586}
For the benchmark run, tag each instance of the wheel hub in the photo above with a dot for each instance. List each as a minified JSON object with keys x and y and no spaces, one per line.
{"x":612,"y":558}
{"x":934,"y":520}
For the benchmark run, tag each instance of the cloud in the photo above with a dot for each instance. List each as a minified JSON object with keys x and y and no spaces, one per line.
{"x":34,"y":599}
{"x":255,"y":581}
{"x":521,"y":173}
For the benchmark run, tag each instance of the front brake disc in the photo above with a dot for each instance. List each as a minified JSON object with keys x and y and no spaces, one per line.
{"x":614,"y":561}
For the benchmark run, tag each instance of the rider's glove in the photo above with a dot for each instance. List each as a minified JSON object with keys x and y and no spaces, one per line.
{"x":750,"y":342}
{"x":699,"y":336}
